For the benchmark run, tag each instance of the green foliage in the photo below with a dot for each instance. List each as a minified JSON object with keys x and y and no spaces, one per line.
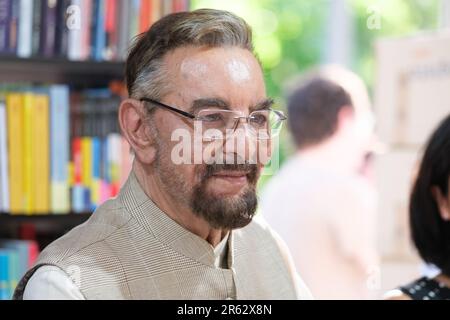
{"x":289,"y":35}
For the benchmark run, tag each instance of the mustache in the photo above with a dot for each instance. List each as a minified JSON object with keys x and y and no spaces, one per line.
{"x":250,"y":169}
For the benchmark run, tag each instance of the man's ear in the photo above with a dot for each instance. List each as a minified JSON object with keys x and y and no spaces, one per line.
{"x":134,"y":124}
{"x":442,"y":203}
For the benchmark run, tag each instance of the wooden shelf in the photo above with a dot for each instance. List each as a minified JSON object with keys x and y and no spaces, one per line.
{"x":43,"y":70}
{"x":49,"y":226}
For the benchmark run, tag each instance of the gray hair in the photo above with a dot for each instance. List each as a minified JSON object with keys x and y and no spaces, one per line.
{"x":145,"y":70}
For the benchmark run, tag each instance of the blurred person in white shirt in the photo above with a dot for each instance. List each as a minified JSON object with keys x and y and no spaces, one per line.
{"x":323,"y":201}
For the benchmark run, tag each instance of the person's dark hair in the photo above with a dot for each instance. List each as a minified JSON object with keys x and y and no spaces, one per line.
{"x":313,"y":111}
{"x":145,"y":70}
{"x":431,"y":233}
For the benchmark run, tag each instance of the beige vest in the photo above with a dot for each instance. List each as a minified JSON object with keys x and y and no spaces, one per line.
{"x":130,"y":249}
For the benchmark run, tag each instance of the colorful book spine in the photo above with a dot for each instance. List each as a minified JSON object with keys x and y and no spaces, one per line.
{"x":4,"y":176}
{"x":123,"y":26}
{"x":48,"y":27}
{"x":13,"y":26}
{"x":59,"y":142}
{"x":28,"y":101}
{"x":86,"y":151}
{"x":86,"y":9}
{"x":36,"y":27}
{"x":40,"y":155}
{"x":135,"y":9}
{"x":166,"y":7}
{"x":62,"y":31}
{"x":5,"y":14}
{"x":75,"y":36}
{"x":16,"y":257}
{"x":157,"y":9}
{"x":146,"y":15}
{"x":78,"y":203}
{"x":24,"y":48}
{"x":15,"y":132}
{"x":4,"y":274}
{"x":100,"y":33}
{"x":111,"y":30}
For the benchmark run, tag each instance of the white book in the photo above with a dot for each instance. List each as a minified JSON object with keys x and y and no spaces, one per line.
{"x":24,"y":45}
{"x":75,"y":17}
{"x":4,"y":176}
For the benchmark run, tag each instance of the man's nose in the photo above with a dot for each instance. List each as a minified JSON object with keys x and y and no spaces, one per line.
{"x":242,"y":142}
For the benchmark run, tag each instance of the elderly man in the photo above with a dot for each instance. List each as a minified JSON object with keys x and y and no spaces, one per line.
{"x":181,"y":229}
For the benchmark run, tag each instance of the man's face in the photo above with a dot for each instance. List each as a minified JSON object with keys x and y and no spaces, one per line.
{"x":211,"y":79}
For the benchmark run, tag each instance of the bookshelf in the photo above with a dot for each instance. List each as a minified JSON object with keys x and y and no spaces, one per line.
{"x":60,"y":87}
{"x":43,"y":227}
{"x":45,"y":70}
{"x":78,"y":74}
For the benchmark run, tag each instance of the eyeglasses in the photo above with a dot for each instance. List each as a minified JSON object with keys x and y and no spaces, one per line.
{"x":262,"y":124}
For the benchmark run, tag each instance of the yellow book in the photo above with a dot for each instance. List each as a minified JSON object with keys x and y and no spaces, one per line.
{"x":28,"y":101}
{"x":86,"y":155}
{"x":15,"y":116}
{"x":40,"y":155}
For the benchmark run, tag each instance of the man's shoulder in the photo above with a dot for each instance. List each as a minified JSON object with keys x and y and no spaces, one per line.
{"x":105,"y":222}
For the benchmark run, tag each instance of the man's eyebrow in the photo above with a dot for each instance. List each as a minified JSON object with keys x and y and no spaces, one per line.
{"x":209,"y":102}
{"x":265,"y":104}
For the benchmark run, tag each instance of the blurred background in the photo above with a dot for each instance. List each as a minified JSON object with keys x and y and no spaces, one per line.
{"x":380,"y":41}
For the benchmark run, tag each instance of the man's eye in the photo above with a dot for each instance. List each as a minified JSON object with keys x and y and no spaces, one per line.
{"x":259,"y":119}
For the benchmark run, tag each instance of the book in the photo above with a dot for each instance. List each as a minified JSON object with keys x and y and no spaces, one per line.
{"x":110,"y":52}
{"x":60,"y":150}
{"x":146,"y":15}
{"x":166,"y":7}
{"x":28,"y":101}
{"x":62,"y":31}
{"x":123,"y":27}
{"x":4,"y":274}
{"x":36,"y":27}
{"x":16,"y":257}
{"x":15,"y":132}
{"x":135,"y":9}
{"x":40,"y":154}
{"x":64,"y":149}
{"x":24,"y":48}
{"x":79,"y":30}
{"x":5,"y":14}
{"x":4,"y":177}
{"x":27,"y":251}
{"x":86,"y":20}
{"x":99,"y":31}
{"x":48,"y":28}
{"x":74,"y":21}
{"x":13,"y":27}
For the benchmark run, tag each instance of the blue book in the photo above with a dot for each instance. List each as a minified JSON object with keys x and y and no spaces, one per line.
{"x":59,"y":148}
{"x":4,"y":274}
{"x":78,"y":199}
{"x":96,"y":170}
{"x":22,"y":248}
{"x":99,"y":35}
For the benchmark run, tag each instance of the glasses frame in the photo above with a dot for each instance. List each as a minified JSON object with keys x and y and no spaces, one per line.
{"x":194,"y":117}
